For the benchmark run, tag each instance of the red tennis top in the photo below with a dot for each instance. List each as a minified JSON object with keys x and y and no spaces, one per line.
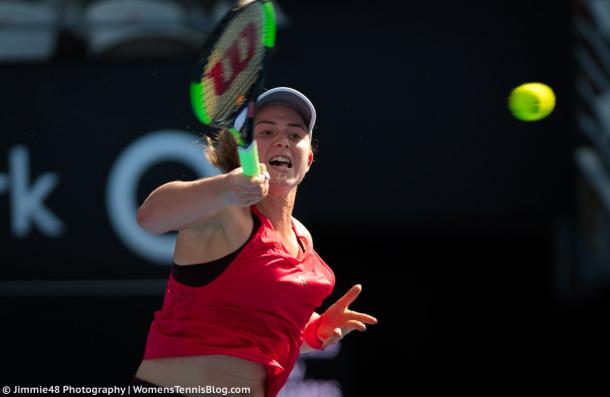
{"x":256,"y":309}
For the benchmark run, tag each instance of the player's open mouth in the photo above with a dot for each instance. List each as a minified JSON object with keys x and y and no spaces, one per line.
{"x":281,"y":161}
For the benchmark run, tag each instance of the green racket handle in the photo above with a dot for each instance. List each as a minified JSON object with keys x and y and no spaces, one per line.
{"x":248,"y":158}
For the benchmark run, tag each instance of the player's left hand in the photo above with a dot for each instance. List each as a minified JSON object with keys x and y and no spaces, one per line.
{"x":338,"y":320}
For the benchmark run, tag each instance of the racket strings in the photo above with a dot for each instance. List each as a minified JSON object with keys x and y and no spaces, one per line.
{"x":222,"y":107}
{"x":248,"y":81}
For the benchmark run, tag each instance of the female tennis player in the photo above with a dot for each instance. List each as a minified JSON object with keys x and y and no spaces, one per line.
{"x":241,"y":298}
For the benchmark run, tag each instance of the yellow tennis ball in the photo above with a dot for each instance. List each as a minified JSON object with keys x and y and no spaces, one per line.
{"x":531,"y":101}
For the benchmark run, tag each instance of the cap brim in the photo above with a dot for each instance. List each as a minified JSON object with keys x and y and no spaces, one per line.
{"x":284,"y":96}
{"x":292,"y":98}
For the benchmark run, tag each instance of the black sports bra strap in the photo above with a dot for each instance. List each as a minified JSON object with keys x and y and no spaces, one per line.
{"x":300,"y":244}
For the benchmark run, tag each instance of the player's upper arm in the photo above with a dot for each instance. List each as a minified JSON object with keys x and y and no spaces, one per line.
{"x":224,"y":219}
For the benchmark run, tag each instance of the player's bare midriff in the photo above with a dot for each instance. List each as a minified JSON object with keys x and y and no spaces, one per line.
{"x":210,"y":370}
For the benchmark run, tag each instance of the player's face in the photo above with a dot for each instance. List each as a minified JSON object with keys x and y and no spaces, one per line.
{"x":284,"y":144}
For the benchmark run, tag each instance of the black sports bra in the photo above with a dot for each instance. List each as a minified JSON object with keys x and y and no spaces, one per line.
{"x":201,"y":274}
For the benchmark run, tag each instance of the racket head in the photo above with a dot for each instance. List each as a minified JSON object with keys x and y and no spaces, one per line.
{"x":232,"y":65}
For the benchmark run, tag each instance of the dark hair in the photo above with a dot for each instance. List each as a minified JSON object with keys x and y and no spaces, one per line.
{"x":221,"y":151}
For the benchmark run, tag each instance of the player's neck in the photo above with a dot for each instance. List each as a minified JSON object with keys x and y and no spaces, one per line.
{"x":278,"y":208}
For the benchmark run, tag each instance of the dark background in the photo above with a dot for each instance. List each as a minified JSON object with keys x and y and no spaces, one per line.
{"x":424,"y":189}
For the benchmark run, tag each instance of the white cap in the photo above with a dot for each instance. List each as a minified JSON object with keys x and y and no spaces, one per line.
{"x":283,"y":96}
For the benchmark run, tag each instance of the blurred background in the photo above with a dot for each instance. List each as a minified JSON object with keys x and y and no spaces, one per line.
{"x":482,"y":242}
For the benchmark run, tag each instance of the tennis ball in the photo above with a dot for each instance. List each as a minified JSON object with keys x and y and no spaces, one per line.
{"x":531,"y":101}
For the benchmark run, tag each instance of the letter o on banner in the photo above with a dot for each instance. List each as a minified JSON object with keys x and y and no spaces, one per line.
{"x":122,"y":187}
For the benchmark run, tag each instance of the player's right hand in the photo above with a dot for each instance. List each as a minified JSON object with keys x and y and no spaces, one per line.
{"x":243,"y":190}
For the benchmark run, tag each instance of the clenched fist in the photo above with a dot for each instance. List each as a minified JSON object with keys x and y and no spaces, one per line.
{"x":243,"y":190}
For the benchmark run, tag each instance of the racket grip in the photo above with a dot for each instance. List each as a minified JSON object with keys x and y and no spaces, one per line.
{"x":248,"y":158}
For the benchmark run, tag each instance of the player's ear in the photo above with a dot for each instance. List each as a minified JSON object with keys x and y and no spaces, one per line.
{"x":310,"y":158}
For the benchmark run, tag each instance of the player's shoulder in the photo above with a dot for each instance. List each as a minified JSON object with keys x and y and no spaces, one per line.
{"x":302,"y":230}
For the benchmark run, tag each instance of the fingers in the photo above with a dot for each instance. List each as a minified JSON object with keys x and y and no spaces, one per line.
{"x":354,"y":324}
{"x":350,"y":296}
{"x":251,"y":183}
{"x":332,"y":340}
{"x":362,"y":317}
{"x":263,"y":170}
{"x":339,"y":333}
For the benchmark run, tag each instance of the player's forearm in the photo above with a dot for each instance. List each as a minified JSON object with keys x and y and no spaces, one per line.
{"x":178,"y":204}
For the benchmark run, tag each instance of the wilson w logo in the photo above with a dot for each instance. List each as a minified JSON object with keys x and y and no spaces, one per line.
{"x":236,"y":64}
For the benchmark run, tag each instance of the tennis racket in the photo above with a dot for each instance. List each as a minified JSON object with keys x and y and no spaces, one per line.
{"x":231,"y":72}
